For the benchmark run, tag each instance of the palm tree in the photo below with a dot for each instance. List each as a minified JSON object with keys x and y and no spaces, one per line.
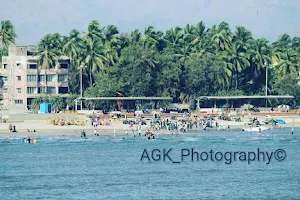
{"x":242,"y":37}
{"x":135,"y":37}
{"x":152,"y":38}
{"x":112,"y":44}
{"x":259,"y":54}
{"x":237,"y":59}
{"x":57,"y":103}
{"x":93,"y":40}
{"x":282,"y":43}
{"x":221,"y":72}
{"x":188,"y":33}
{"x":174,"y":36}
{"x":221,"y":36}
{"x":7,"y":34}
{"x":288,"y":63}
{"x":73,"y":45}
{"x":199,"y":32}
{"x":185,"y":52}
{"x":48,"y":52}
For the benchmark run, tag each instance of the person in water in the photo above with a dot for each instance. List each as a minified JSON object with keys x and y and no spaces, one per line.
{"x":82,"y":135}
{"x":29,"y":140}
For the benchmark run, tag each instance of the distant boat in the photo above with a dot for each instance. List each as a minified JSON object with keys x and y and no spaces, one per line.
{"x":279,"y":121}
{"x":256,"y":129}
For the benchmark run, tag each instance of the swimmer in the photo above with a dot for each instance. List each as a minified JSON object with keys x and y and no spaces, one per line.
{"x":82,"y":135}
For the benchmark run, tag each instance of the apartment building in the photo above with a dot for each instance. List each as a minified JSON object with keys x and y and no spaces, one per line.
{"x":24,"y":80}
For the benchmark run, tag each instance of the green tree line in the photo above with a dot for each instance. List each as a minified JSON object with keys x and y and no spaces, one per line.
{"x":182,"y":62}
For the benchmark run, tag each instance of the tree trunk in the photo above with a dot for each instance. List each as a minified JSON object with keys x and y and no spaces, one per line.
{"x":91,"y":80}
{"x":46,"y":84}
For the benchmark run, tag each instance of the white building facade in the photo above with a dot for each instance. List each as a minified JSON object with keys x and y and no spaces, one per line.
{"x":24,"y":80}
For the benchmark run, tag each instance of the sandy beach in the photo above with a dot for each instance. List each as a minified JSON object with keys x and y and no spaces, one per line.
{"x":44,"y":128}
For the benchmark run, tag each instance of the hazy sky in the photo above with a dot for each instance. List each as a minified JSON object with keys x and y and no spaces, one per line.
{"x":34,"y":18}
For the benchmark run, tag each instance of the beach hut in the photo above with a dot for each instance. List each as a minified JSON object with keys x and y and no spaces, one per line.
{"x":45,"y":107}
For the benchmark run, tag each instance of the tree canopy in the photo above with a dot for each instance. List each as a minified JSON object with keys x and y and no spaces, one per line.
{"x":183,"y":62}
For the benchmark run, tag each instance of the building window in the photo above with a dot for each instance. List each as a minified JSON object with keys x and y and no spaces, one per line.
{"x":18,"y":101}
{"x":64,"y":65}
{"x":4,"y":66}
{"x":63,"y":90}
{"x":42,"y":90}
{"x":19,"y":90}
{"x":31,"y":90}
{"x":31,"y":78}
{"x":62,"y":77}
{"x":32,"y":66}
{"x":29,"y":53}
{"x":50,"y":78}
{"x":4,"y":78}
{"x":5,"y":90}
{"x":18,"y":64}
{"x":42,"y":78}
{"x":19,"y":78}
{"x":51,"y":90}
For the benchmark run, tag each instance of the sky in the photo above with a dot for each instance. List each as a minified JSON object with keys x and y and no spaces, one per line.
{"x":34,"y":18}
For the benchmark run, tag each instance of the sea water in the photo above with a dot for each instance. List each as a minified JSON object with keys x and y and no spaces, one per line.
{"x":117,"y":167}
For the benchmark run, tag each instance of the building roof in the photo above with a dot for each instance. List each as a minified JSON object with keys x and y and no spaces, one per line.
{"x":248,"y":97}
{"x":128,"y":98}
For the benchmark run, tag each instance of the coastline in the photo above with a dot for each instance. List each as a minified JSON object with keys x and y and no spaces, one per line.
{"x":43,"y":128}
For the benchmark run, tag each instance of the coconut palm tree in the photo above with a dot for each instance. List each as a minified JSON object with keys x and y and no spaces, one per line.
{"x":48,"y":52}
{"x":7,"y":34}
{"x":288,"y":64}
{"x":199,"y":32}
{"x":135,"y":37}
{"x":260,"y":53}
{"x":174,"y":36}
{"x":152,"y":38}
{"x":282,"y":43}
{"x":73,"y":45}
{"x":237,"y":59}
{"x":94,"y":43}
{"x":242,"y":38}
{"x":221,"y":36}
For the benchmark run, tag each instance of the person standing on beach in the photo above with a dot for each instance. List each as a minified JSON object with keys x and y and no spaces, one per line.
{"x":10,"y":128}
{"x":14,"y":128}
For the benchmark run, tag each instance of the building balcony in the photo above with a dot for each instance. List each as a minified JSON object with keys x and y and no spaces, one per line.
{"x":32,"y":71}
{"x":49,"y":84}
{"x":62,"y":71}
{"x":62,"y":84}
{"x":32,"y":84}
{"x":34,"y":95}
{"x":3,"y":71}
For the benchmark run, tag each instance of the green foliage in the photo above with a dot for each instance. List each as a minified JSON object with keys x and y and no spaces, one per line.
{"x":7,"y":34}
{"x":288,"y":85}
{"x":184,"y":62}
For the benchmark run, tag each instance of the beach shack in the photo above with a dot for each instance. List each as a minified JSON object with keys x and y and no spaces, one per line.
{"x":45,"y":108}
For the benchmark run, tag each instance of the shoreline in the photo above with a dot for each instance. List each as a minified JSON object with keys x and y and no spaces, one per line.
{"x":105,"y":131}
{"x":43,"y":128}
